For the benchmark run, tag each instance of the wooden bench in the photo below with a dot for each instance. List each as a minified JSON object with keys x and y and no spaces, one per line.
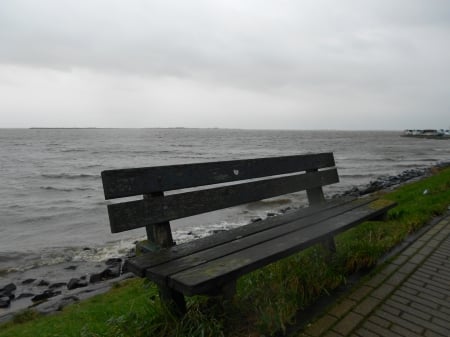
{"x":211,"y":265}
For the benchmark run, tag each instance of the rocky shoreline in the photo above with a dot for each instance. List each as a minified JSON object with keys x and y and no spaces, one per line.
{"x":51,"y":288}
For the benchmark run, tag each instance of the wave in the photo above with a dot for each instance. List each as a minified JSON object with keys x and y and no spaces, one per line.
{"x":70,"y":176}
{"x":20,"y":262}
{"x":91,"y":166}
{"x":68,"y":189}
{"x":367,"y":175}
{"x":73,"y":150}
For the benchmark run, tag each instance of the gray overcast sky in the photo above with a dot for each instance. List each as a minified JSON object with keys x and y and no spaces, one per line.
{"x":382,"y":64}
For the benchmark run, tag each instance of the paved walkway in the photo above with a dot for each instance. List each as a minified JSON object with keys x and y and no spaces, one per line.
{"x":409,"y":297}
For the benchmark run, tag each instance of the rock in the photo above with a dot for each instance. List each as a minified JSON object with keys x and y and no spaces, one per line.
{"x":7,"y":292}
{"x":113,"y":261}
{"x":25,"y":295}
{"x":43,"y":283}
{"x":216,"y":231}
{"x":8,"y":289}
{"x":57,"y":285}
{"x":94,"y":278}
{"x":76,"y":283}
{"x":5,"y":302}
{"x":106,"y":274}
{"x":45,"y":295}
{"x":28,"y":281}
{"x":284,"y":210}
{"x":71,"y":268}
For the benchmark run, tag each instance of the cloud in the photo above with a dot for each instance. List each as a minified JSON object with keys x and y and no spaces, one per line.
{"x":288,"y":56}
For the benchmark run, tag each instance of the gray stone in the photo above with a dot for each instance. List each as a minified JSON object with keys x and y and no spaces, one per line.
{"x":113,"y":261}
{"x":43,"y":283}
{"x":7,"y":289}
{"x":25,"y":295}
{"x":57,"y":285}
{"x":45,"y":295}
{"x":5,"y":302}
{"x":28,"y":281}
{"x":76,"y":283}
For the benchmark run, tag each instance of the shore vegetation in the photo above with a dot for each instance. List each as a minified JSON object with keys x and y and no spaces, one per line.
{"x":267,"y":301}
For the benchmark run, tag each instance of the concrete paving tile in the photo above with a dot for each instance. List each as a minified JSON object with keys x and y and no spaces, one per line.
{"x":348,"y":323}
{"x":367,"y":305}
{"x":366,"y":333}
{"x":425,"y":324}
{"x":383,"y":291}
{"x":416,"y":299}
{"x":395,"y":320}
{"x":406,"y":308}
{"x":342,"y":308}
{"x":360,"y":293}
{"x":321,"y":325}
{"x":401,"y":331}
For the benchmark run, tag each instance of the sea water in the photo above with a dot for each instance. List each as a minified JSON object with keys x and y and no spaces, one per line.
{"x":52,"y":207}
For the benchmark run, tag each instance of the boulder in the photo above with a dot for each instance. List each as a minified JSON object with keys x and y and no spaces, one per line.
{"x":76,"y":283}
{"x":106,"y":274}
{"x":7,"y":289}
{"x":28,"y":281}
{"x":43,"y":283}
{"x":45,"y":295}
{"x":57,"y":285}
{"x":5,"y":302}
{"x":113,"y":261}
{"x":25,"y":295}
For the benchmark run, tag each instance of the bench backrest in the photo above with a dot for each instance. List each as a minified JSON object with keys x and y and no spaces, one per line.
{"x":239,"y":182}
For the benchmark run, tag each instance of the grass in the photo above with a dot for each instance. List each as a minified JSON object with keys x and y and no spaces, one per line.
{"x":267,"y":300}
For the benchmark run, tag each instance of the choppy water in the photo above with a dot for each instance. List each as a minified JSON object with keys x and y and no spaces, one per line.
{"x":52,"y":205}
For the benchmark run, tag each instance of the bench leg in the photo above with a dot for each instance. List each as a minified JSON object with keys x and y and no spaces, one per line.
{"x":229,"y":290}
{"x":173,"y":300}
{"x":381,"y":217}
{"x":330,"y":248}
{"x":220,"y":299}
{"x":329,"y":245}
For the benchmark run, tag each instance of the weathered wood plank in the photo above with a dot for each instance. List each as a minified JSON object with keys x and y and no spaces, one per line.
{"x":138,"y":265}
{"x":137,"y":181}
{"x":206,"y":277}
{"x":134,"y":214}
{"x":160,"y":273}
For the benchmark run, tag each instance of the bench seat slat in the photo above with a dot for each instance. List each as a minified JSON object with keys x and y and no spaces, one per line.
{"x":160,"y":273}
{"x":139,"y":264}
{"x":206,"y":277}
{"x":136,"y":181}
{"x":135,"y":214}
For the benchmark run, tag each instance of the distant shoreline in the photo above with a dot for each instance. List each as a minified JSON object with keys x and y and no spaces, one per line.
{"x":425,"y":136}
{"x":73,"y":128}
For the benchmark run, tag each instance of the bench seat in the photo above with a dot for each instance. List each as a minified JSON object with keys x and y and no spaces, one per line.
{"x":205,"y":265}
